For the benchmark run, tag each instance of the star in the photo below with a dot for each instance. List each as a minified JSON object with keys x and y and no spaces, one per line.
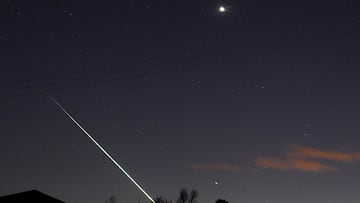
{"x":221,"y":9}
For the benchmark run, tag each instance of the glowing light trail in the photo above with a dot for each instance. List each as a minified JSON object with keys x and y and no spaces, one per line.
{"x":103,"y":150}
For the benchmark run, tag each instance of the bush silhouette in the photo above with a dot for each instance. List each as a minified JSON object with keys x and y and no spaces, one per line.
{"x":221,"y":201}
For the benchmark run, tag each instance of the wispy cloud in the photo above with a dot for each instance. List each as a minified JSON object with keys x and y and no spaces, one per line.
{"x":307,"y":159}
{"x":313,"y":153}
{"x":311,"y":166}
{"x":215,"y":167}
{"x":293,"y":164}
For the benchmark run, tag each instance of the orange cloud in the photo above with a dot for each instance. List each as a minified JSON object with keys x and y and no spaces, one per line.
{"x":301,"y":158}
{"x":215,"y":167}
{"x":311,"y":166}
{"x":294,"y":164}
{"x":313,"y":153}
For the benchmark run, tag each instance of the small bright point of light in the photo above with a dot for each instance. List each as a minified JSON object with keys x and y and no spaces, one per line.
{"x":216,"y":182}
{"x":222,"y":9}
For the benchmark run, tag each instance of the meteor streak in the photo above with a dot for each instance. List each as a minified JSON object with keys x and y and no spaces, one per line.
{"x":103,"y":150}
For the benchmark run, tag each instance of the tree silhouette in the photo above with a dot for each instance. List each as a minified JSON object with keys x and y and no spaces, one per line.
{"x":111,"y":199}
{"x":193,"y":196}
{"x":186,"y":198}
{"x":161,"y":200}
{"x":221,"y":201}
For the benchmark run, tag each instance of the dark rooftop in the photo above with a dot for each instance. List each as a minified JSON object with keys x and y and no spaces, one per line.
{"x":28,"y":196}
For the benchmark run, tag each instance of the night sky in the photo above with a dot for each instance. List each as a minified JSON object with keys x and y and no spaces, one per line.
{"x":257,"y":104}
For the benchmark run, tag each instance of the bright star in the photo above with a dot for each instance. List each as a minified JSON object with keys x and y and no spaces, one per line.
{"x":222,"y":9}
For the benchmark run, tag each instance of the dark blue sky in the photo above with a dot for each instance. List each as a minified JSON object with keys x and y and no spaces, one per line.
{"x":262,"y":100}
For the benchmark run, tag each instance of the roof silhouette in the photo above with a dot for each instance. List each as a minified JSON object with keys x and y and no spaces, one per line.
{"x":29,"y":196}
